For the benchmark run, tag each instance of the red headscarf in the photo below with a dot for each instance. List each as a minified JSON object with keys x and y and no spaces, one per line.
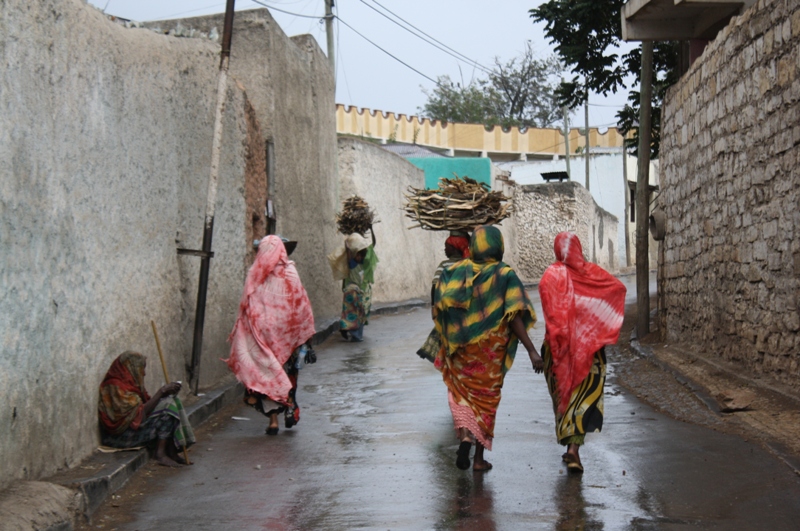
{"x":275,"y":317}
{"x":583,"y":309}
{"x":122,"y":394}
{"x":459,"y":242}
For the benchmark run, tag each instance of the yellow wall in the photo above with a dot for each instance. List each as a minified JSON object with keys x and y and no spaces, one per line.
{"x":465,"y":137}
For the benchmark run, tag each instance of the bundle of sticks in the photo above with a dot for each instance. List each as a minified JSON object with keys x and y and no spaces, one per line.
{"x":356,"y":216}
{"x":458,"y":204}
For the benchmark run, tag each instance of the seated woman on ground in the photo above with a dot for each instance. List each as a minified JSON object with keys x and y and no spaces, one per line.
{"x":129,"y":417}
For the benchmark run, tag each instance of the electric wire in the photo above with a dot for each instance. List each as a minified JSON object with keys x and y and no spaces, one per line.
{"x":429,"y":78}
{"x":289,"y":12}
{"x":438,"y":47}
{"x":467,"y":59}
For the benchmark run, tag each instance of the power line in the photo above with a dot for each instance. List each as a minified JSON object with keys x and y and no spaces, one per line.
{"x":339,"y":62}
{"x":430,"y":37}
{"x":388,"y":53}
{"x":467,"y":60}
{"x":289,"y":12}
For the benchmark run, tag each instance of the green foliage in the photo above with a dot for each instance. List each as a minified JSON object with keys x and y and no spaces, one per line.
{"x":520,"y":92}
{"x":586,"y":34}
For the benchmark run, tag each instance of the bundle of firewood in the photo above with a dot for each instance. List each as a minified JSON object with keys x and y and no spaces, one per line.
{"x":356,"y":216}
{"x":458,"y":204}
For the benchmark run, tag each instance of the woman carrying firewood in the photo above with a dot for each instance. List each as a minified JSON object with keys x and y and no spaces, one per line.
{"x":481,"y":311}
{"x":354,"y":264}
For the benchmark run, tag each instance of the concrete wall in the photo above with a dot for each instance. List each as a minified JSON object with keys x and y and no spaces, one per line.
{"x":544,"y":210}
{"x":408,"y":258}
{"x":731,"y":188}
{"x":290,"y":84}
{"x":103,"y":174}
{"x":105,"y":140}
{"x":607,"y":185}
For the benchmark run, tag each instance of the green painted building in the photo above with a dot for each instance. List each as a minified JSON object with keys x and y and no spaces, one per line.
{"x":435,"y":168}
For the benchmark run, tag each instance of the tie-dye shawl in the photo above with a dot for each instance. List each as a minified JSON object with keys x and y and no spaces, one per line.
{"x":474,"y":296}
{"x":122,"y":394}
{"x":583,"y":308}
{"x":275,"y":317}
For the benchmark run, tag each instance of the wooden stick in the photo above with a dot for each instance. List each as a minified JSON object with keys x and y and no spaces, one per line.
{"x":166,"y":378}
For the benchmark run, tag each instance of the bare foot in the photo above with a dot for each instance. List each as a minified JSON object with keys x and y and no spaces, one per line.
{"x":481,"y":466}
{"x":166,"y":461}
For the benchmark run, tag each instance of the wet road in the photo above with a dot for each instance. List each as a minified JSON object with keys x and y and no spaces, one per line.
{"x":375,"y":449}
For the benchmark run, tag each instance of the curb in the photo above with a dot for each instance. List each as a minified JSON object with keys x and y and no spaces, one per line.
{"x":776,"y":449}
{"x":647,"y":353}
{"x":118,"y":468}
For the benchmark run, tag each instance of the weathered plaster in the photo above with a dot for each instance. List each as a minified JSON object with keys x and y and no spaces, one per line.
{"x":408,"y":258}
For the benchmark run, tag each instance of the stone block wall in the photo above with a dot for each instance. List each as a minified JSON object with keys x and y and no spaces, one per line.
{"x":730,"y":279}
{"x":544,"y":210}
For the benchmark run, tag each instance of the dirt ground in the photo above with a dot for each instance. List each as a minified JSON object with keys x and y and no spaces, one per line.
{"x":685,"y":385}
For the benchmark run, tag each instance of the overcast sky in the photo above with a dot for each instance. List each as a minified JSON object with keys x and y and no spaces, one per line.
{"x":367,"y":77}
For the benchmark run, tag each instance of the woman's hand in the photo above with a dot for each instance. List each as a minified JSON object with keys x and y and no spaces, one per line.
{"x":536,"y":361}
{"x":172,"y":388}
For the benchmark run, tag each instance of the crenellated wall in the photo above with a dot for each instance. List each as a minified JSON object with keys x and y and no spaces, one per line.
{"x":474,"y":139}
{"x":729,"y":282}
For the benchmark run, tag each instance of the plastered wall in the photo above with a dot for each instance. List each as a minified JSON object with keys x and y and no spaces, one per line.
{"x":730,"y":275}
{"x":408,"y":258}
{"x":290,"y":85}
{"x":105,"y":141}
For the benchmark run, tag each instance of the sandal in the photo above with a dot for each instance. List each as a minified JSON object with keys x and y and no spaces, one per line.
{"x":574,"y":467}
{"x":462,"y":459}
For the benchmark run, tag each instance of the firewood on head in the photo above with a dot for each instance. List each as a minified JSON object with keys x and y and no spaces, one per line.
{"x":458,"y":204}
{"x":356,"y":216}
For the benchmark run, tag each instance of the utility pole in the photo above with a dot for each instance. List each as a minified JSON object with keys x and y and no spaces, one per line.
{"x":586,"y":154}
{"x":211,"y":198}
{"x":566,"y":139}
{"x":329,"y":32}
{"x":642,"y":189}
{"x":626,"y":196}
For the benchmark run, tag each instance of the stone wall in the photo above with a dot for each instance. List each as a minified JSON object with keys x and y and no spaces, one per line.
{"x":105,"y":140}
{"x":730,"y":279}
{"x":544,"y":210}
{"x":408,"y":258}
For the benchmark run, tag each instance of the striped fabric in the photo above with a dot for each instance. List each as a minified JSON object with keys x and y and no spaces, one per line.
{"x":584,"y":411}
{"x":476,"y":296}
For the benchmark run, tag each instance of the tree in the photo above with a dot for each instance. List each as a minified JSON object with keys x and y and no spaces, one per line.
{"x":475,"y":102}
{"x":586,"y":34}
{"x":520,"y":92}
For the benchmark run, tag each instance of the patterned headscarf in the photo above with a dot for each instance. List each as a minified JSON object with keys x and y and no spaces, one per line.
{"x":122,"y":393}
{"x":583,"y":309}
{"x":475,"y":296}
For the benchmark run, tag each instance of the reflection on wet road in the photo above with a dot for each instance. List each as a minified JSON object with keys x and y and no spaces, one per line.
{"x":375,"y":449}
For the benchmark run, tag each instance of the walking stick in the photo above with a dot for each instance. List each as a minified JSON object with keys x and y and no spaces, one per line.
{"x":166,"y":377}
